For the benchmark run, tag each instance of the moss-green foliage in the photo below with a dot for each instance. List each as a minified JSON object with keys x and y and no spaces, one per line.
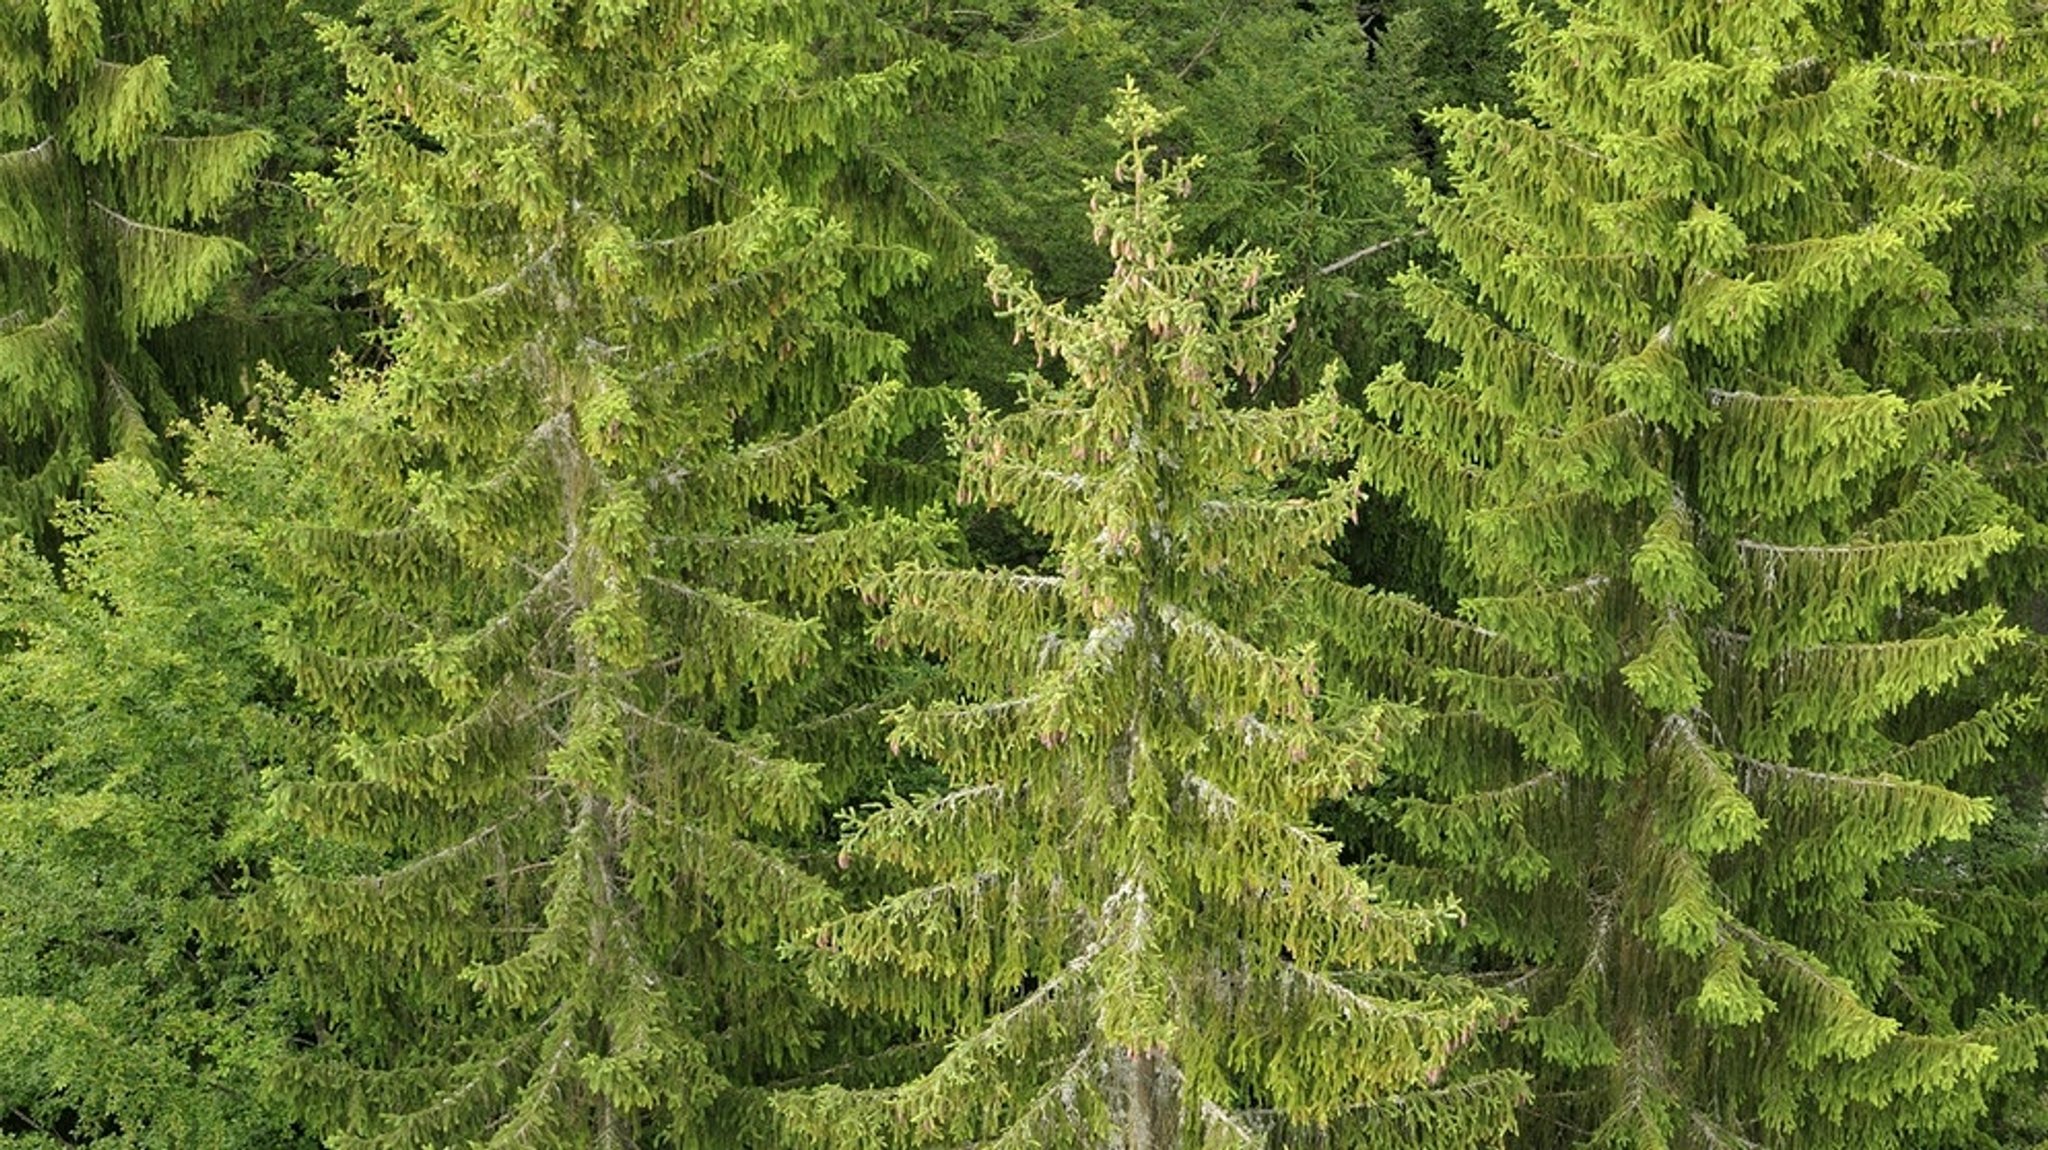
{"x":143,"y":726}
{"x":1706,"y":545}
{"x":127,"y":145}
{"x":458,"y":754}
{"x":1964,"y":96}
{"x":1119,"y":925}
{"x":560,"y":565}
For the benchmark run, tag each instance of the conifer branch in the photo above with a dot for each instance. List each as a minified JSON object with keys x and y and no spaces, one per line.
{"x":1059,"y":1090}
{"x":20,"y":160}
{"x":1337,"y":265}
{"x":1830,"y":779}
{"x":137,"y":227}
{"x":1216,"y":1117}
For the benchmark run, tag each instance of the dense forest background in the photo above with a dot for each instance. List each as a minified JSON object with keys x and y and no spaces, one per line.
{"x":1064,"y":573}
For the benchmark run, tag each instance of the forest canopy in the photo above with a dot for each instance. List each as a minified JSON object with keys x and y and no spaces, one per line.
{"x":858,"y":575}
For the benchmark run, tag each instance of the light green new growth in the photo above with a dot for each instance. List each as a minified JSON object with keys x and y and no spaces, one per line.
{"x":141,"y":725}
{"x":1120,"y":924}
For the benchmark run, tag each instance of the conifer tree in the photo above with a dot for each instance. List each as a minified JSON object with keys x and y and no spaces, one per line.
{"x":559,"y":563}
{"x":1702,"y":527}
{"x":1121,"y":927}
{"x":111,"y":181}
{"x":1965,"y":98}
{"x":1302,"y":107}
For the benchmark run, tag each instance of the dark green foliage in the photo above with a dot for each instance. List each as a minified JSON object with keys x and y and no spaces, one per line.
{"x":1985,"y":967}
{"x":293,"y":304}
{"x":125,"y":149}
{"x":1965,"y":95}
{"x":1303,"y":110}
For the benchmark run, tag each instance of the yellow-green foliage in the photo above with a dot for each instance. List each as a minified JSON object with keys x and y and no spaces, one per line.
{"x":562,"y":566}
{"x":1118,"y":922}
{"x":143,"y":725}
{"x":1707,"y":531}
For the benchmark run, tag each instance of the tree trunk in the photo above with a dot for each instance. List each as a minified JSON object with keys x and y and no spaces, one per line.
{"x":1151,"y":1101}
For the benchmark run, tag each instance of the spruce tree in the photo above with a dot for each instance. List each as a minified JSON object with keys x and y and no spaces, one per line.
{"x":1121,"y":926}
{"x":1302,"y":108}
{"x":559,"y":564}
{"x":1965,"y":97}
{"x":113,"y":176}
{"x":1701,"y":531}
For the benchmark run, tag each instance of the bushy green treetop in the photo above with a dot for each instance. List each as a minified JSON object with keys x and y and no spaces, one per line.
{"x":143,"y":727}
